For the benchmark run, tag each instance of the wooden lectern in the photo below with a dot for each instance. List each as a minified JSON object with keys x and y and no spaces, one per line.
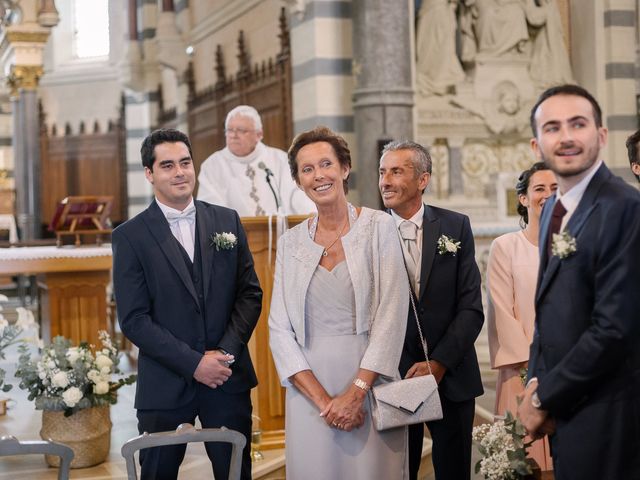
{"x":268,"y":398}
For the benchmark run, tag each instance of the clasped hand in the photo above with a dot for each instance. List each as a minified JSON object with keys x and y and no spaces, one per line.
{"x":420,"y":369}
{"x":345,"y":411}
{"x":536,"y":422}
{"x":213,"y":370}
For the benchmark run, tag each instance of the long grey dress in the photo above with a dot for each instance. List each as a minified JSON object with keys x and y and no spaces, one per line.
{"x":334,"y":351}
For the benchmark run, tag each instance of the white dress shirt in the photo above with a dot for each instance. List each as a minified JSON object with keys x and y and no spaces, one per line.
{"x":571,"y":199}
{"x":181,"y":228}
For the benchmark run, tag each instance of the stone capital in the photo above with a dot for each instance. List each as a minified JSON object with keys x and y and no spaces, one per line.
{"x":24,"y":77}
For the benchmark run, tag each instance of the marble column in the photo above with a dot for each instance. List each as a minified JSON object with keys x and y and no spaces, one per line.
{"x":26,"y":149}
{"x":383,"y":94}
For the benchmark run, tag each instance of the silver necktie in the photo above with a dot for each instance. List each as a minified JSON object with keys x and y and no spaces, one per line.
{"x":409,"y":233}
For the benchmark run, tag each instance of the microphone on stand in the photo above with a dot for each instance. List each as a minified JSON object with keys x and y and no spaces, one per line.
{"x":270,"y":174}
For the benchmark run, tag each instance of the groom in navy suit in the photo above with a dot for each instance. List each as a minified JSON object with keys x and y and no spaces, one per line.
{"x":188,"y":297}
{"x":446,"y":284}
{"x":584,"y":367}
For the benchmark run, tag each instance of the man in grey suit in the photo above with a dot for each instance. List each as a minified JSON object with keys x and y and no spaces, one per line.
{"x":584,"y":367}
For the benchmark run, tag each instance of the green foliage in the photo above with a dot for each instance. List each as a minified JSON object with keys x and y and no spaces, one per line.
{"x":68,"y":378}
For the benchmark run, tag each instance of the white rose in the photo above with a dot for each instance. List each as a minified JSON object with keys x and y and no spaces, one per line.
{"x":72,"y":396}
{"x":60,"y":380}
{"x":3,"y":298}
{"x":73,"y":354}
{"x":93,"y":375}
{"x":101,"y":388}
{"x":451,"y":247}
{"x":104,"y":371}
{"x":3,"y":324}
{"x":102,"y":361}
{"x":230,"y":237}
{"x":51,"y":364}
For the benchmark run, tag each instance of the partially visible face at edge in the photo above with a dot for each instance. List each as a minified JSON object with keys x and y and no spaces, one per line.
{"x":542,"y":185}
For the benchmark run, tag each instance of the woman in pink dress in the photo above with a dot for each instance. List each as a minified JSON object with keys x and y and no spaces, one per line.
{"x":512,"y":273}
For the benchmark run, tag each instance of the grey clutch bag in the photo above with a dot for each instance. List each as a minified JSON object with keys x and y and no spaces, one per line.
{"x":407,"y":401}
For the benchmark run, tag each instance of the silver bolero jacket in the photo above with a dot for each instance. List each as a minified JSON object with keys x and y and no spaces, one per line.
{"x":375,"y":262}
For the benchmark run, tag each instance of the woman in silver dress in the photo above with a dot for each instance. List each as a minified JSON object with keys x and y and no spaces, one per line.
{"x":337,"y":322}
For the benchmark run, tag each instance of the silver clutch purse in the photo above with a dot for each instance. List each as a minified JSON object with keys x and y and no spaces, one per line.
{"x":405,"y":402}
{"x":410,"y":400}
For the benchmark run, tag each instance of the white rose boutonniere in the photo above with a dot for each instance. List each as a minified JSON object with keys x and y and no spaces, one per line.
{"x":223,"y":241}
{"x":563,"y":245}
{"x":448,"y":245}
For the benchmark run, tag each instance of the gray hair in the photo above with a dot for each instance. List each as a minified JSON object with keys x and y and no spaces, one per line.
{"x":245,"y":111}
{"x":421,"y":158}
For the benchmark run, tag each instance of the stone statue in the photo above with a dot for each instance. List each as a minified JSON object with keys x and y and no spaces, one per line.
{"x":504,"y":113}
{"x":549,"y":59}
{"x":500,"y":26}
{"x":438,"y":68}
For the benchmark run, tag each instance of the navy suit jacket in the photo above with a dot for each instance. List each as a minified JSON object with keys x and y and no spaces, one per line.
{"x":160,"y":311}
{"x":586,"y":347}
{"x":449,"y":306}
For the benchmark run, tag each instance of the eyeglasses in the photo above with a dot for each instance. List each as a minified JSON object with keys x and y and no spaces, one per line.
{"x":239,"y":131}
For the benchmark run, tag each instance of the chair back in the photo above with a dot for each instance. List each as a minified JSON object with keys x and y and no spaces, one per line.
{"x":186,"y":433}
{"x":11,"y":446}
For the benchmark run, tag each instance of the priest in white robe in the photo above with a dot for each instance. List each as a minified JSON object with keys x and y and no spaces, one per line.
{"x":249,"y":176}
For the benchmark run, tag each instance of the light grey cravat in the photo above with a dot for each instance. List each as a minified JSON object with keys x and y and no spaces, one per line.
{"x":409,"y":233}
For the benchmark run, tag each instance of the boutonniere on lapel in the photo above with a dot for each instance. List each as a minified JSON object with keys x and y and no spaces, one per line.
{"x":448,"y":245}
{"x":563,"y":245}
{"x":223,"y":241}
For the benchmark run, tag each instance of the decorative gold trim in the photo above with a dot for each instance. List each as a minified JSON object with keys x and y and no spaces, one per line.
{"x":24,"y":77}
{"x":17,"y":36}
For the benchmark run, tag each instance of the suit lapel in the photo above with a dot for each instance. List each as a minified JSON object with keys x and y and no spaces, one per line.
{"x":159,"y":228}
{"x":430,"y":233}
{"x":205,"y":229}
{"x":588,"y":203}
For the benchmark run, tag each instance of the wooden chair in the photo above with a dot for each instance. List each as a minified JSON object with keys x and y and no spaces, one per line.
{"x":186,"y":433}
{"x":11,"y":446}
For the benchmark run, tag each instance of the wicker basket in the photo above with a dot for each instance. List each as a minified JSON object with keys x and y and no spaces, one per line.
{"x":87,"y":432}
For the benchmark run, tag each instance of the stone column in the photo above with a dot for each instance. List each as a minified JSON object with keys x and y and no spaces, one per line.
{"x":26,"y":148}
{"x":383,"y":94}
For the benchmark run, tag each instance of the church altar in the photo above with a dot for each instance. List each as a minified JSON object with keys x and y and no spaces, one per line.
{"x":75,"y":280}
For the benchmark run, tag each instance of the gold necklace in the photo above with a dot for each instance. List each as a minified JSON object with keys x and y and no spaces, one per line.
{"x":325,"y":252}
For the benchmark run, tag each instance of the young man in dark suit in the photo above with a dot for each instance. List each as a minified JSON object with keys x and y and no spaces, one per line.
{"x":188,"y":297}
{"x":446,"y":284}
{"x":584,"y":367}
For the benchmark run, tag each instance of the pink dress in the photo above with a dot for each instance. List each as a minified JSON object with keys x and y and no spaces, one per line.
{"x":512,"y":273}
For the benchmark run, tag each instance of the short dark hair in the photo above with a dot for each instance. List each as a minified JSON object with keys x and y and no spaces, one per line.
{"x":567,"y":89}
{"x":157,"y":137}
{"x":320,"y":134}
{"x":632,"y":149}
{"x":523,"y":185}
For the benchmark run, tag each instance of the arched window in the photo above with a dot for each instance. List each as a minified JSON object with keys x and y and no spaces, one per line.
{"x":91,"y":28}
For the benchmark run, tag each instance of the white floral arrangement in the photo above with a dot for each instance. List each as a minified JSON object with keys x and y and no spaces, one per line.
{"x":223,"y":241}
{"x":448,"y":245}
{"x":71,"y":378}
{"x":563,"y":245}
{"x":9,"y":334}
{"x":503,"y":449}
